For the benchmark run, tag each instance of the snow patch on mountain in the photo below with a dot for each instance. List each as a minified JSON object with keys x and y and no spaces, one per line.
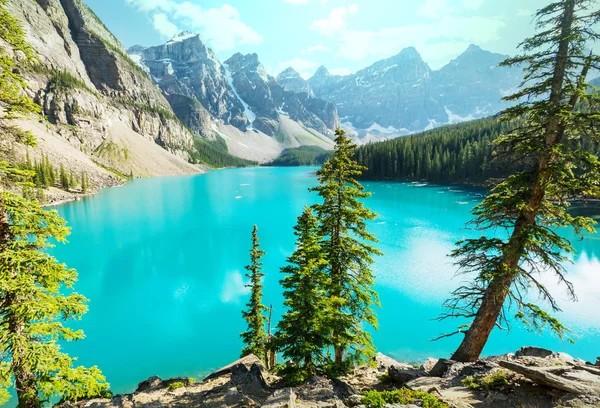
{"x":184,"y":35}
{"x":454,"y":118}
{"x":247,"y":111}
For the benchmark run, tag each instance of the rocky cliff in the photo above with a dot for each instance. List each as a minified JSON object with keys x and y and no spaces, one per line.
{"x":236,"y":100}
{"x":102,"y":114}
{"x":401,"y":94}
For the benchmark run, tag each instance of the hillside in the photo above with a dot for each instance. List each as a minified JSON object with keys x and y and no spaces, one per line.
{"x":101,"y":115}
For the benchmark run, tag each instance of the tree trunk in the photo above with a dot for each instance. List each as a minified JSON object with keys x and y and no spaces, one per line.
{"x":25,"y":386}
{"x":493,"y":300}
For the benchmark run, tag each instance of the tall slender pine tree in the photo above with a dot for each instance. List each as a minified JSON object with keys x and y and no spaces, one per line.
{"x":255,"y":338}
{"x":304,"y":332}
{"x":345,"y":240}
{"x":557,"y":109}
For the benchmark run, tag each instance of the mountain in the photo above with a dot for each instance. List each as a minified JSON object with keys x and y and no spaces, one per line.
{"x":402,"y":95}
{"x":291,"y":81}
{"x":103,"y":115}
{"x":236,"y":100}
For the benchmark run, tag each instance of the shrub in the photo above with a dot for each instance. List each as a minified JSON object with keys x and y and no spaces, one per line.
{"x":175,"y":385}
{"x":377,"y":399}
{"x":494,"y":381}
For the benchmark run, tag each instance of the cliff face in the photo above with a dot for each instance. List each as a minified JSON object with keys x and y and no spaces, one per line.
{"x":102,"y":111}
{"x":237,"y":99}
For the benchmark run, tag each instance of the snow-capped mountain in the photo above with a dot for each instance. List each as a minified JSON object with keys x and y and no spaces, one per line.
{"x":234,"y":98}
{"x":401,"y":94}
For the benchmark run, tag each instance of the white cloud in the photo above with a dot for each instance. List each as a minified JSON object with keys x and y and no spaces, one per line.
{"x":304,"y":67}
{"x":221,"y":26}
{"x":295,"y":2}
{"x":336,"y":21}
{"x":437,"y":41}
{"x":315,"y":48}
{"x":472,"y":4}
{"x":164,"y":26}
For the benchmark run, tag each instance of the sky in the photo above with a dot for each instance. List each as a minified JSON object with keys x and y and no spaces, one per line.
{"x":343,"y":35}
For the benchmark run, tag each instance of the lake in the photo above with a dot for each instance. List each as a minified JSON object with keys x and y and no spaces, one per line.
{"x":162,"y":262}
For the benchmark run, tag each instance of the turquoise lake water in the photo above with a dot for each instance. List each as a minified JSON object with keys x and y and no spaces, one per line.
{"x":161,"y":261}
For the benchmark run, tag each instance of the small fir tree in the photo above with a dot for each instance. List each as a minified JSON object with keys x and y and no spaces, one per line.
{"x":255,"y":338}
{"x":304,"y":331}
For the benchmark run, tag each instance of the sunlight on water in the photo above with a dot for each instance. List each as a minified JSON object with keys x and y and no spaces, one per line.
{"x":162,"y":261}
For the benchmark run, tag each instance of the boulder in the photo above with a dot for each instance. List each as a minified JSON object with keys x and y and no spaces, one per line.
{"x":154,"y":383}
{"x":532,"y":351}
{"x":598,"y":361}
{"x":402,"y":375}
{"x":386,"y":362}
{"x":428,"y":365}
{"x":441,"y":367}
{"x":250,"y":382}
{"x":283,"y":398}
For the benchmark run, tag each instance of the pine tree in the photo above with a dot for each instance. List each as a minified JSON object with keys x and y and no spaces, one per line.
{"x":33,"y":305}
{"x":557,"y":109}
{"x":304,"y":332}
{"x":84,"y":182}
{"x":255,"y":338}
{"x":36,"y":291}
{"x":342,"y":225}
{"x":64,"y":178}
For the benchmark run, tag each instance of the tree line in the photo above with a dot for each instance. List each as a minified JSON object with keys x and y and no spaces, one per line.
{"x":461,"y":153}
{"x":328,"y":281}
{"x":548,"y":140}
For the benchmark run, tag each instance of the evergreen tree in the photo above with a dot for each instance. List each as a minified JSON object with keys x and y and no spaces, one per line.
{"x":255,"y":338}
{"x":35,"y":290}
{"x":342,"y":225}
{"x":303,"y":332}
{"x":557,"y":110}
{"x":84,"y":182}
{"x":64,"y":178}
{"x":33,"y":304}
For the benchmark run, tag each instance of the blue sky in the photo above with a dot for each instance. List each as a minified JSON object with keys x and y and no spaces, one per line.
{"x":343,"y":35}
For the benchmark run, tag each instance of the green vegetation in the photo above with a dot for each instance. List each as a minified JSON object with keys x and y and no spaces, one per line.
{"x":255,"y":338}
{"x":345,"y":240}
{"x":129,"y":103}
{"x":175,"y":385}
{"x":114,"y":171}
{"x":404,"y":396}
{"x":303,"y":332}
{"x":555,"y":109}
{"x":11,"y":82}
{"x":302,"y":156}
{"x":214,"y":153}
{"x":495,"y":381}
{"x":455,"y":153}
{"x":37,"y":294}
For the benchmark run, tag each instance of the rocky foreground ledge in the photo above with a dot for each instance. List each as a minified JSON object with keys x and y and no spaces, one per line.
{"x":532,"y":377}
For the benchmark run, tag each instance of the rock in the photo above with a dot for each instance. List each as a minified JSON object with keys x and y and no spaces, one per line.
{"x":354,"y":400}
{"x":251,"y":381}
{"x":402,"y":375}
{"x":532,"y":351}
{"x":283,"y":398}
{"x":441,"y":367}
{"x":543,"y":377}
{"x":291,"y":81}
{"x":385,"y":362}
{"x":598,"y":361}
{"x":247,"y":361}
{"x":154,"y":383}
{"x":425,"y":384}
{"x":428,"y":365}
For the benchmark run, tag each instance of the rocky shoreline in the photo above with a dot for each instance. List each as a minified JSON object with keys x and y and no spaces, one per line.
{"x":531,"y":377}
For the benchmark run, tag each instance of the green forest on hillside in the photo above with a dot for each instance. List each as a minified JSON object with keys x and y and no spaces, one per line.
{"x":214,"y":153}
{"x":302,"y":156}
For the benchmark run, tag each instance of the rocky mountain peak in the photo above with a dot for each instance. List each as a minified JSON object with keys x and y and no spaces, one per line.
{"x":322,"y":71}
{"x":182,"y":36}
{"x":292,"y":81}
